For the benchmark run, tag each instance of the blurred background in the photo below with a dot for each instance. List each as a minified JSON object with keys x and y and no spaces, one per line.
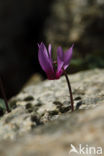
{"x":24,"y":23}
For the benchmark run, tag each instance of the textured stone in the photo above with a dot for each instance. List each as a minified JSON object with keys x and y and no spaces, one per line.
{"x":46,"y":129}
{"x":55,"y":138}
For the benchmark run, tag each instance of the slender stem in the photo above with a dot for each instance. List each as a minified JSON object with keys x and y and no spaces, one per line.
{"x":4,"y":96}
{"x":70,"y":90}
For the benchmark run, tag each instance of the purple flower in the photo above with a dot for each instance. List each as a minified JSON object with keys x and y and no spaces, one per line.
{"x":47,"y":64}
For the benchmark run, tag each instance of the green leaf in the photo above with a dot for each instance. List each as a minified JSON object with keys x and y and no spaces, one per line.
{"x":2,"y":104}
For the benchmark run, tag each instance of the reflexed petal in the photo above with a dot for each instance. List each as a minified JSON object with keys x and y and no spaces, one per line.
{"x":44,"y":60}
{"x":49,"y":50}
{"x":60,"y":59}
{"x":43,"y":48}
{"x":67,"y":57}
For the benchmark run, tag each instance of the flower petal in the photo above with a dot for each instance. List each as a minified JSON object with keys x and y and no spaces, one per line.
{"x":43,"y":48}
{"x":51,"y":75}
{"x":68,"y":56}
{"x":45,"y":61}
{"x":60,"y":59}
{"x":49,"y":50}
{"x":58,"y":74}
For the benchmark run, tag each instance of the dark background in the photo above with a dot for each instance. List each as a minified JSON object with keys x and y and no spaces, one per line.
{"x":24,"y":23}
{"x":21,"y":26}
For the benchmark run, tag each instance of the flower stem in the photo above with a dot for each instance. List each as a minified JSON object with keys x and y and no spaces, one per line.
{"x":4,"y":96}
{"x":70,"y":90}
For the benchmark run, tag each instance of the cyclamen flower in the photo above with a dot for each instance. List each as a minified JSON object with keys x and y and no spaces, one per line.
{"x":47,"y":64}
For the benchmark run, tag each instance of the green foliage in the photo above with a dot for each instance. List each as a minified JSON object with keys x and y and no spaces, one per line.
{"x":2,"y":104}
{"x":2,"y":107}
{"x":88,"y":62}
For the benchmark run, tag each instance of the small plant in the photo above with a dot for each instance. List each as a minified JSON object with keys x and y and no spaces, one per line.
{"x":4,"y":96}
{"x":49,"y":66}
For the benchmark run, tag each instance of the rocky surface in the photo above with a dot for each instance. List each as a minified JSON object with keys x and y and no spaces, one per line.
{"x":41,"y":122}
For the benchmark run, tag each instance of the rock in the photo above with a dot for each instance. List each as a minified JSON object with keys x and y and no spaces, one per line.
{"x":55,"y":138}
{"x":80,"y":22}
{"x":46,"y":129}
